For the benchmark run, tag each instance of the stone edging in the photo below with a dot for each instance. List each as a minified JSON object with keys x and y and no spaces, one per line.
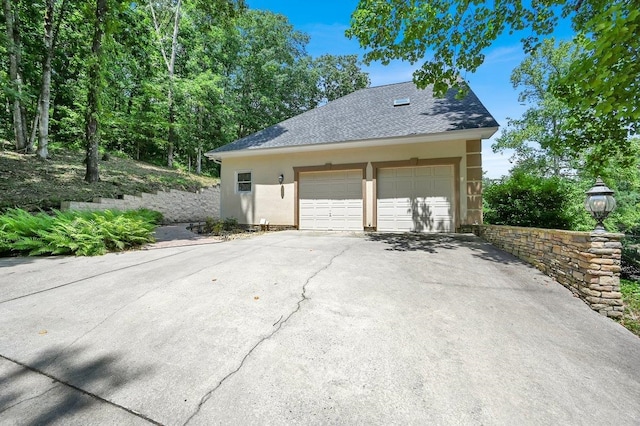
{"x":586,"y":263}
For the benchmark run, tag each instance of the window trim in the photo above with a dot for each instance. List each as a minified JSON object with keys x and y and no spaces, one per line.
{"x":238,"y":182}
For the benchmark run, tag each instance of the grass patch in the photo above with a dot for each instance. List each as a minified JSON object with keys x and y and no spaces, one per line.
{"x":75,"y":233}
{"x":631,"y":298}
{"x":32,"y":184}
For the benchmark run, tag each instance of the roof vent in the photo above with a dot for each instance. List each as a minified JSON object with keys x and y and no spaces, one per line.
{"x":401,"y":101}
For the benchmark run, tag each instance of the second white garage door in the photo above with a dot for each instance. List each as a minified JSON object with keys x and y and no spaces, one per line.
{"x":415,"y":199}
{"x":331,"y":200}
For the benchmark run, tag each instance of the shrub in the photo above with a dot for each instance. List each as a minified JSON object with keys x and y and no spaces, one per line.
{"x":230,"y":224}
{"x":212,"y":226}
{"x":525,"y":200}
{"x":218,"y":226}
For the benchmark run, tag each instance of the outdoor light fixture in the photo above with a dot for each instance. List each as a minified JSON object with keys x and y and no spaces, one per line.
{"x":600,"y":203}
{"x":280,"y":178}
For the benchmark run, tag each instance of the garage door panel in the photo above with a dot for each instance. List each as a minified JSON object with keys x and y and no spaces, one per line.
{"x":331,"y":200}
{"x":416,"y":199}
{"x":442,"y":187}
{"x":424,"y":171}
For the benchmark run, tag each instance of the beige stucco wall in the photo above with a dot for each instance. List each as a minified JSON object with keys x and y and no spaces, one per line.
{"x":276,"y":203}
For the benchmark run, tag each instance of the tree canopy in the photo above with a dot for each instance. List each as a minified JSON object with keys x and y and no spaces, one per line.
{"x":551,"y":137}
{"x":559,"y":151}
{"x":170,"y":79}
{"x":454,"y":34}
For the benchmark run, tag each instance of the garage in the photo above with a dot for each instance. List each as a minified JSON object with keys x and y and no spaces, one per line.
{"x":415,"y":199}
{"x":331,"y":200}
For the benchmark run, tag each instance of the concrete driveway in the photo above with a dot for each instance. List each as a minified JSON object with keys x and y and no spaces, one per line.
{"x":307,"y":328}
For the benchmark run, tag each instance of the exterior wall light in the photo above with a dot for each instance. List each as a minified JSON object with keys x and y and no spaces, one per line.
{"x":280,"y":178}
{"x":600,"y":203}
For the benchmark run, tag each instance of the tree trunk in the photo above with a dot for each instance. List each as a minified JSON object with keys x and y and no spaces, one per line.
{"x":45,"y":91}
{"x":199,"y":162}
{"x":199,"y":148}
{"x":172,"y":67}
{"x":23,"y":109}
{"x":34,"y":130}
{"x":15,"y":77}
{"x":92,"y":136}
{"x":170,"y":62}
{"x":172,"y":118}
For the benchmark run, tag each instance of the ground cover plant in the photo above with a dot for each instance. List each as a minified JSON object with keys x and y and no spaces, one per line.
{"x":631,"y":297}
{"x":75,"y":233}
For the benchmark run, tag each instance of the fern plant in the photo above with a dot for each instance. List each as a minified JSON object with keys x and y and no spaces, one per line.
{"x":78,"y":233}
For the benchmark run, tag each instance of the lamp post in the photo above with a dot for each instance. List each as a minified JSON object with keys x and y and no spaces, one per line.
{"x":600,"y":203}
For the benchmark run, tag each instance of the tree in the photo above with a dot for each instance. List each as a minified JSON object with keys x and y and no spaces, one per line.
{"x":457,"y":32}
{"x":14,"y":49}
{"x":539,"y":136}
{"x":339,"y":75}
{"x":168,"y":43}
{"x":44,"y":100}
{"x":92,"y":135}
{"x":134,"y":118}
{"x":169,"y":56}
{"x":96,"y":75}
{"x":273,"y":77}
{"x":551,"y":137}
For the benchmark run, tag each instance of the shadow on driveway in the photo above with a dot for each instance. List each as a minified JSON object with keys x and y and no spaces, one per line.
{"x":434,"y":243}
{"x":70,"y":383}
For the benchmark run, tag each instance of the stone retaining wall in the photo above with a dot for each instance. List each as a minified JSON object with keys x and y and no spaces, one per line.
{"x":175,"y":206}
{"x":586,"y":263}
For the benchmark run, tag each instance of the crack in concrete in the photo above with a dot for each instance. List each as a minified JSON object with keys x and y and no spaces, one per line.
{"x":84,"y":392}
{"x":29,"y":399}
{"x":279,"y":324}
{"x":110,"y":315}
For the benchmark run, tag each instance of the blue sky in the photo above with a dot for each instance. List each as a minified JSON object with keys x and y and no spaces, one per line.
{"x":326,"y":21}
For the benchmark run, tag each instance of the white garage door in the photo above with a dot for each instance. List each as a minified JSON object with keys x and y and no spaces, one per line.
{"x":331,"y":200}
{"x":416,"y":199}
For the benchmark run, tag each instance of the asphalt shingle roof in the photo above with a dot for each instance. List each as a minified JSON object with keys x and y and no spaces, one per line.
{"x":370,"y":114}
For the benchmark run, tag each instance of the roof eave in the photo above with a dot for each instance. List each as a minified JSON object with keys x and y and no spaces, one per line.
{"x":467,"y":134}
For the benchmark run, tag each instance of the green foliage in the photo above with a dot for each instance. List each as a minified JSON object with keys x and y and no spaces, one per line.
{"x":570,"y":206}
{"x":236,"y":72}
{"x":220,"y":226}
{"x":525,"y":200}
{"x":212,"y":226}
{"x":631,"y":258}
{"x":631,"y":297}
{"x":230,"y":224}
{"x":539,"y":137}
{"x":454,"y":35}
{"x":77,"y":233}
{"x":605,"y":78}
{"x":339,"y":75}
{"x":272,"y":73}
{"x":554,"y":139}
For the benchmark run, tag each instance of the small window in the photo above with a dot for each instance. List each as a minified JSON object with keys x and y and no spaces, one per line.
{"x":243,"y":182}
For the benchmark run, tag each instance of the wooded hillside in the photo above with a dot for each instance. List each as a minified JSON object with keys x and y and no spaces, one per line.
{"x":33,"y":185}
{"x":161,"y":81}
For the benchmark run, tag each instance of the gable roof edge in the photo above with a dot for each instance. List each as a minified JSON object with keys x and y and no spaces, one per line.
{"x":465,"y":134}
